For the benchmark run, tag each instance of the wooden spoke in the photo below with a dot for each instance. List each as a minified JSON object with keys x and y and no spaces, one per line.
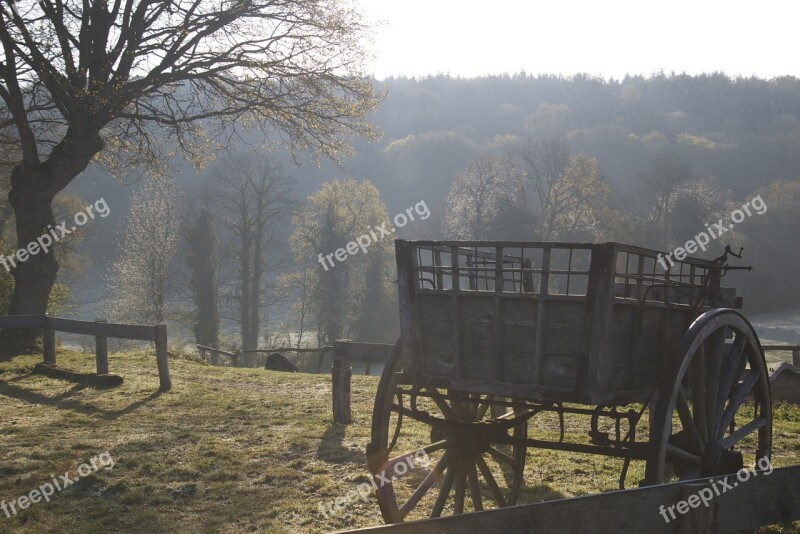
{"x":487,"y":475}
{"x":482,"y":409}
{"x":430,"y":480}
{"x":503,"y":457}
{"x":474,"y":487}
{"x":698,"y":387}
{"x":444,"y":490}
{"x":714,"y":366}
{"x":409,"y":458}
{"x":744,"y":431}
{"x":444,"y":407}
{"x":737,"y":399}
{"x":687,"y":421}
{"x":733,"y":366}
{"x":461,"y":479}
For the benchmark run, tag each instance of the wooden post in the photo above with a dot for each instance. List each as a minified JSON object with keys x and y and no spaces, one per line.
{"x":235,"y":358}
{"x":49,"y":343}
{"x":162,"y":358}
{"x":101,"y":352}
{"x":796,"y":356}
{"x":340,"y":387}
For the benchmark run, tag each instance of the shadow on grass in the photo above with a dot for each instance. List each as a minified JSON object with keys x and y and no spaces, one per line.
{"x":331,"y":448}
{"x":539,"y":493}
{"x":63,"y":400}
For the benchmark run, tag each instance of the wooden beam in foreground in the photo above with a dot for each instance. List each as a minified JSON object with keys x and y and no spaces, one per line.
{"x":761,"y":500}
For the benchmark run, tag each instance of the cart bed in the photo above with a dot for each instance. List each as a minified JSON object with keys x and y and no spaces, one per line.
{"x":587,"y":323}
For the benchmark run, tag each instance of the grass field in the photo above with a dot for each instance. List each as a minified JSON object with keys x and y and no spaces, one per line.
{"x":227,"y":450}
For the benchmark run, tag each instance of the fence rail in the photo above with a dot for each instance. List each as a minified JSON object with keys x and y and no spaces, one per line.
{"x":101,"y":330}
{"x":795,"y":349}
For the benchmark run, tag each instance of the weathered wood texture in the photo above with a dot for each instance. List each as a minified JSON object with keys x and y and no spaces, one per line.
{"x":588,"y":323}
{"x":340,"y":391}
{"x":363,"y":354}
{"x":762,"y":500}
{"x":49,"y":346}
{"x":99,"y":380}
{"x":162,"y":358}
{"x":91,"y":328}
{"x":23,"y":321}
{"x":101,"y":352}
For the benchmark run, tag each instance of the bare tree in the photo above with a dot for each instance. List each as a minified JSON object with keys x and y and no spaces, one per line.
{"x":486,"y":200}
{"x":567,"y":188}
{"x":114,"y":80}
{"x":254,"y":196}
{"x":659,"y":187}
{"x":139,"y":276}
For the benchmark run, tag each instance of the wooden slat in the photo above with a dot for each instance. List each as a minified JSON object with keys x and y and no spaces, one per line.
{"x":104,"y":380}
{"x":89,"y":328}
{"x":762,"y":500}
{"x":162,"y":358}
{"x":541,"y":316}
{"x":22,"y":321}
{"x":49,"y":345}
{"x":101,"y":352}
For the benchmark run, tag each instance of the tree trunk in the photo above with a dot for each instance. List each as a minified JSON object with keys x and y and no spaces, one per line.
{"x":33,"y":188}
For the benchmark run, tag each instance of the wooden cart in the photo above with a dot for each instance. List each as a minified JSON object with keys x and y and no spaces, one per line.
{"x":494,"y":334}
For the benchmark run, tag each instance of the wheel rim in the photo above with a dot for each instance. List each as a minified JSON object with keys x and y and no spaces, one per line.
{"x":469,"y":468}
{"x":714,"y":412}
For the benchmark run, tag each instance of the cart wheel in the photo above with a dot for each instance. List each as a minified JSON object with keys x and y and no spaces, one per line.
{"x":466,"y":461}
{"x":703,"y":424}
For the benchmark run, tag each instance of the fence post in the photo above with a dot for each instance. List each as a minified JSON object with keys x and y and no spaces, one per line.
{"x":101,"y":352}
{"x":341,"y":372}
{"x":49,"y":344}
{"x":235,"y":358}
{"x":162,"y":358}
{"x":796,"y":356}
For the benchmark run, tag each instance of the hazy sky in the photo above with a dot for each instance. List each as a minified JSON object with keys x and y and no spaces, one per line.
{"x":470,"y":37}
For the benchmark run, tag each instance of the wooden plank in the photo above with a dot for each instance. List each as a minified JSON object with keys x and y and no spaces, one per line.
{"x":49,"y":345}
{"x":599,"y":305}
{"x":761,"y":500}
{"x":162,"y":358}
{"x":90,"y":328}
{"x":341,"y":373}
{"x":104,"y":380}
{"x":101,"y":352}
{"x":541,"y":315}
{"x":22,"y":321}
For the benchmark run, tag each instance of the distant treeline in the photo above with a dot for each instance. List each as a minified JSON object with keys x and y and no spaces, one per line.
{"x":653,"y":160}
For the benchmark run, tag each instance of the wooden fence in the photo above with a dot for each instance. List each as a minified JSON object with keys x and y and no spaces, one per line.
{"x":345,"y":353}
{"x":234,"y":356}
{"x":101,"y":330}
{"x":795,"y":349}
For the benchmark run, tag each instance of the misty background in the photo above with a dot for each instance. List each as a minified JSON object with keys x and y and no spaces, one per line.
{"x":721,"y":140}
